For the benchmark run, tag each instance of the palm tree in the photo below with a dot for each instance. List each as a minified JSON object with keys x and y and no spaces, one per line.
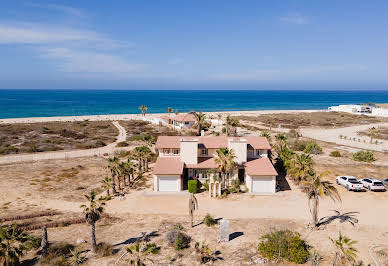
{"x":345,"y":252}
{"x":170,"y":110}
{"x":373,"y":133}
{"x":93,"y":210}
{"x":126,"y":171}
{"x":12,"y":244}
{"x":315,"y":188}
{"x":231,"y":124}
{"x":300,"y":166}
{"x":142,"y":154}
{"x":113,"y":166}
{"x":266,"y":135}
{"x":139,"y":252}
{"x":143,"y":109}
{"x":225,"y":161}
{"x":201,"y":122}
{"x":149,"y":139}
{"x":219,"y":118}
{"x":193,"y":205}
{"x":106,"y":184}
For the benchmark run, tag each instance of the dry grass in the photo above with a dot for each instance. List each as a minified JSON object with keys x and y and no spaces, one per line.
{"x":52,"y":136}
{"x":314,"y":119}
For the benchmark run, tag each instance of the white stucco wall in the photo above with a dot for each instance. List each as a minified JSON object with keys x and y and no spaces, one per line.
{"x":240,"y":149}
{"x":189,"y":151}
{"x":249,"y":183}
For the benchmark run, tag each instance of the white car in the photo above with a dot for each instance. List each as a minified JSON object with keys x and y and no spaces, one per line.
{"x":350,"y":183}
{"x":373,"y":184}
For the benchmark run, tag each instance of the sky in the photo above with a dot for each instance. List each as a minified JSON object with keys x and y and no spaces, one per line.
{"x":216,"y":44}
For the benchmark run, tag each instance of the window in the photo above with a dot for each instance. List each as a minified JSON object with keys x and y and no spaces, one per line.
{"x":176,"y":151}
{"x":187,"y":122}
{"x":204,"y":151}
{"x":166,"y":151}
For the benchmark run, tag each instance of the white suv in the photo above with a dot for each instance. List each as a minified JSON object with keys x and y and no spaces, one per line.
{"x":373,"y":184}
{"x":350,"y":183}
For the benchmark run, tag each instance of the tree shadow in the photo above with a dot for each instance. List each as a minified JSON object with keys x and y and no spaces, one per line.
{"x":144,"y":236}
{"x":349,"y":217}
{"x":235,"y":235}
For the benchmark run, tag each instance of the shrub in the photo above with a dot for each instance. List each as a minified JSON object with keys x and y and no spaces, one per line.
{"x":283,"y":245}
{"x":206,"y":185}
{"x":209,"y":220}
{"x":313,"y":148}
{"x":299,"y":145}
{"x":363,"y":156}
{"x":178,"y":239}
{"x":104,"y":249}
{"x":122,"y":144}
{"x":56,"y":255}
{"x":193,"y":186}
{"x":179,"y":227}
{"x":335,"y":154}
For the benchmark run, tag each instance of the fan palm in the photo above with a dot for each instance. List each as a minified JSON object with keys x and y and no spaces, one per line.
{"x":225,"y":161}
{"x":373,"y":133}
{"x":345,"y":252}
{"x":143,"y":109}
{"x":316,"y":188}
{"x":231,"y":124}
{"x":266,"y":135}
{"x":201,"y":122}
{"x":12,"y":244}
{"x":93,"y":210}
{"x":106,"y":184}
{"x":300,"y":166}
{"x":170,"y":110}
{"x":139,"y":252}
{"x":113,"y":166}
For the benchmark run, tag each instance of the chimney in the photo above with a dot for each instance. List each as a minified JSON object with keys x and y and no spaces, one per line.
{"x":189,"y":150}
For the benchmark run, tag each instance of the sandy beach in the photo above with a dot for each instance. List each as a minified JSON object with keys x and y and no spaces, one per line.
{"x":137,"y":116}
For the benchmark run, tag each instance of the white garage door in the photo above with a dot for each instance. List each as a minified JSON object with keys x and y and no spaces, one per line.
{"x":168,"y":183}
{"x":262,"y":185}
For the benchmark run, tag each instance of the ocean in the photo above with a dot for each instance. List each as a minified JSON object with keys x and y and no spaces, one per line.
{"x":45,"y":103}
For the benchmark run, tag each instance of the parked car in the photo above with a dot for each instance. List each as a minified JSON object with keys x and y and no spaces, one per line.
{"x":385,"y":182}
{"x":350,"y":183}
{"x":373,"y":184}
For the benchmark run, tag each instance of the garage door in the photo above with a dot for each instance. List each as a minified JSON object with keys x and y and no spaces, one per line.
{"x":168,"y":183}
{"x":262,"y":185}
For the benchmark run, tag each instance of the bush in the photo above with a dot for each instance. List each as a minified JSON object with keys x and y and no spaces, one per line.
{"x":299,"y":145}
{"x":104,"y":249}
{"x":312,"y":148}
{"x":335,"y":154}
{"x":363,"y":156}
{"x":283,"y":245}
{"x":178,"y":239}
{"x":56,"y":255}
{"x":209,"y":220}
{"x":206,"y":185}
{"x":122,"y":144}
{"x":193,"y":186}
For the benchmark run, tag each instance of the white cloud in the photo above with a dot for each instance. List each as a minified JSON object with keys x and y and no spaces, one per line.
{"x":76,"y":61}
{"x":76,"y":12}
{"x":30,"y":33}
{"x":294,"y":18}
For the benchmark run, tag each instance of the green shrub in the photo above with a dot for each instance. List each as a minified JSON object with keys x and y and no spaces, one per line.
{"x":193,"y":186}
{"x":299,"y":145}
{"x":178,"y":239}
{"x":313,"y":148}
{"x":209,"y":220}
{"x":335,"y":154}
{"x":283,"y":245}
{"x":363,"y":156}
{"x":206,"y":185}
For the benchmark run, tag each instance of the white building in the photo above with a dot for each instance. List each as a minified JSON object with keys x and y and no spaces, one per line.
{"x":184,"y":158}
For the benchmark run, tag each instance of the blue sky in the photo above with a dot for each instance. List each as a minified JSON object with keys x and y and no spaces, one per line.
{"x":193,"y":44}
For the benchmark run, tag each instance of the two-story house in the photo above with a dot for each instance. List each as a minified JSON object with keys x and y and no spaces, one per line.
{"x":184,"y":157}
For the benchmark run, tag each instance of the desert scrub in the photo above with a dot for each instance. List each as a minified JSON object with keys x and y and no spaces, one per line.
{"x":363,"y":156}
{"x":283,"y":245}
{"x":335,"y":154}
{"x":312,"y":148}
{"x":122,"y":144}
{"x":104,"y":249}
{"x":209,"y":220}
{"x":178,"y":239}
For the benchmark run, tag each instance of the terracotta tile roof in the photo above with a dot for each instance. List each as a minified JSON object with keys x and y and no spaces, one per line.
{"x":203,"y":163}
{"x":261,"y":166}
{"x":168,"y":166}
{"x":211,"y":142}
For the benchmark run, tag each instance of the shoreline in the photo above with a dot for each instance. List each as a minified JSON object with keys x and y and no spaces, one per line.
{"x":113,"y":117}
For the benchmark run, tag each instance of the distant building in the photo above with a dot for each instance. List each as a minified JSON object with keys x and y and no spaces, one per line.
{"x":360,"y":109}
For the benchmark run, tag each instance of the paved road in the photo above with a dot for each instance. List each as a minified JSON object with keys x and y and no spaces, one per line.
{"x":110,"y":148}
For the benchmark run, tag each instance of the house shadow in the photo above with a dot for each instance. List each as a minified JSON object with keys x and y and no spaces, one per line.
{"x":350,"y":217}
{"x":282,"y":182}
{"x":235,"y":235}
